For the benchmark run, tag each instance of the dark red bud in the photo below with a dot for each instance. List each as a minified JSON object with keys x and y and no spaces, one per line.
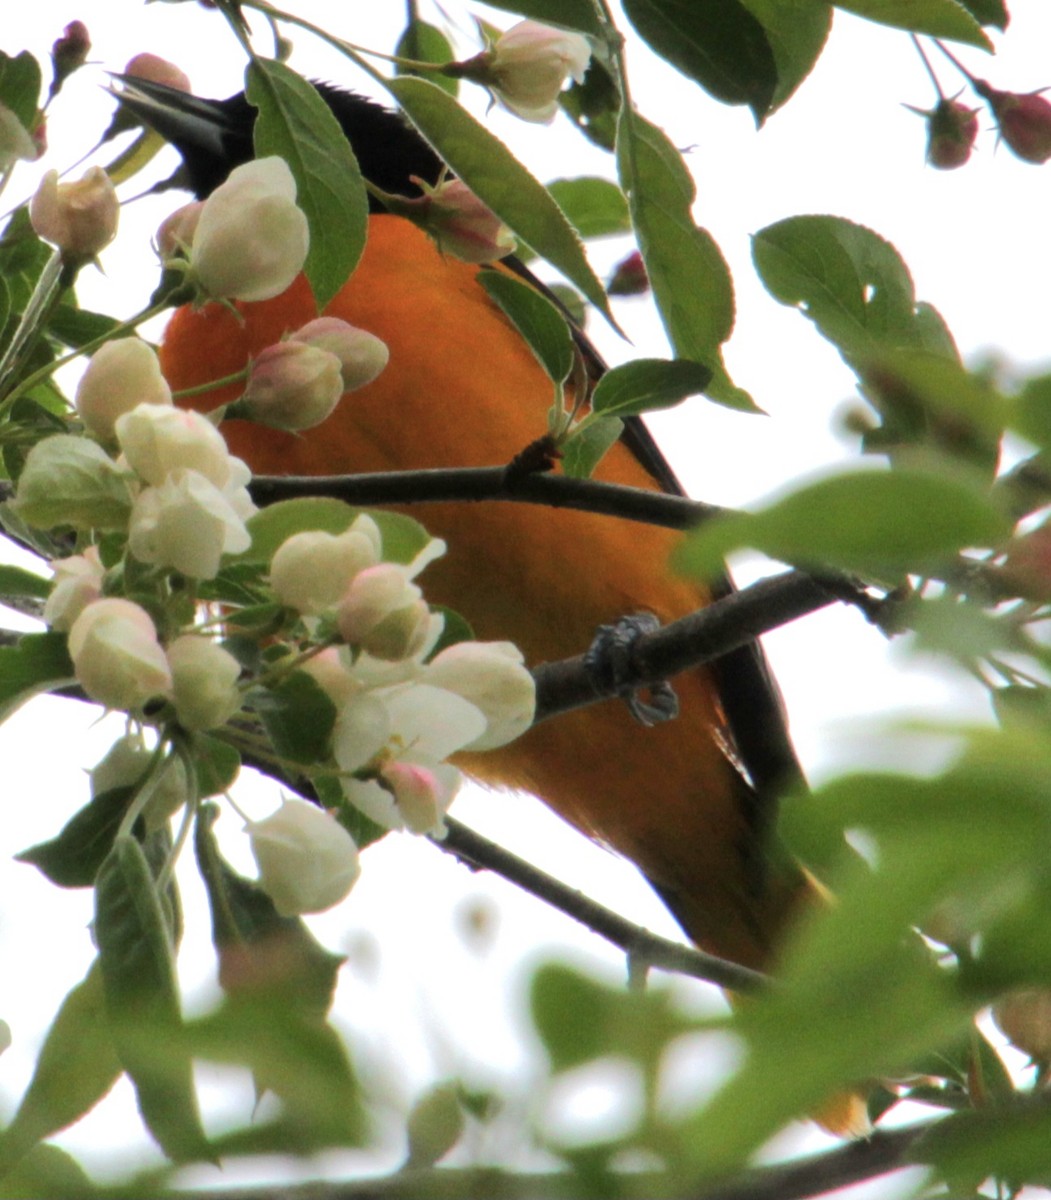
{"x":1024,"y":120}
{"x":629,"y":277}
{"x":951,"y":132}
{"x":69,"y":53}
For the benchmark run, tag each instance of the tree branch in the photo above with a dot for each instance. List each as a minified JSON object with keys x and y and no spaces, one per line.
{"x":644,"y":949}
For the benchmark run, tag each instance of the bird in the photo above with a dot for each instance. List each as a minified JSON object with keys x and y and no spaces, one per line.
{"x":690,"y":801}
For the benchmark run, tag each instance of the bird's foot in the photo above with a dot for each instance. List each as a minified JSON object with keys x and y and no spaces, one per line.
{"x":610,"y":659}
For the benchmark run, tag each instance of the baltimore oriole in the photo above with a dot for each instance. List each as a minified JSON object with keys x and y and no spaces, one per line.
{"x":691,"y":801}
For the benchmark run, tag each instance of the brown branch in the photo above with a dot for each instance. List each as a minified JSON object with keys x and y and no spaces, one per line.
{"x":644,"y":949}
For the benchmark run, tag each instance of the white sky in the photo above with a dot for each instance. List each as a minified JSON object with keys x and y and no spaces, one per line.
{"x":421,"y":997}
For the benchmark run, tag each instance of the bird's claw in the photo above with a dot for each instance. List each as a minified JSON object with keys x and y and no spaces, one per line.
{"x":610,"y":659}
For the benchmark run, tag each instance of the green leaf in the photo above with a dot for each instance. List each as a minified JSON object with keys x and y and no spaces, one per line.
{"x":593,"y":105}
{"x":403,"y":538}
{"x":20,"y":86}
{"x":542,"y":326}
{"x":988,"y":12}
{"x":216,"y":763}
{"x":261,"y":954}
{"x":596,"y":207}
{"x":142,"y":1000}
{"x":75,"y":1068}
{"x":298,"y":716}
{"x":937,"y":18}
{"x":489,"y":169}
{"x":23,"y":257}
{"x":426,"y":43}
{"x":573,"y":14}
{"x":719,"y":44}
{"x":73,"y":858}
{"x":690,"y":279}
{"x":797,"y":31}
{"x":69,"y":480}
{"x":969,"y":1147}
{"x":75,"y":327}
{"x":880,"y":524}
{"x":586,"y":447}
{"x":39,"y":663}
{"x":17,"y":581}
{"x":648,"y":384}
{"x":1031,"y":411}
{"x":47,"y":1171}
{"x":295,"y":123}
{"x":848,"y":280}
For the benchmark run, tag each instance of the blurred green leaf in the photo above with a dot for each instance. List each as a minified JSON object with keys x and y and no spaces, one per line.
{"x":426,"y":43}
{"x":596,"y":207}
{"x":76,"y":1067}
{"x":988,"y":12}
{"x":796,"y":32}
{"x":298,"y":716}
{"x":17,"y":581}
{"x":593,"y":105}
{"x":73,"y":858}
{"x":542,"y":326}
{"x":142,"y":1000}
{"x":585,"y":447}
{"x":647,"y":384}
{"x":690,"y":279}
{"x":296,"y":124}
{"x":216,"y":763}
{"x":880,"y":524}
{"x":20,"y":86}
{"x":39,"y":663}
{"x":967,"y":1148}
{"x":938,"y":18}
{"x":489,"y":169}
{"x":719,"y":45}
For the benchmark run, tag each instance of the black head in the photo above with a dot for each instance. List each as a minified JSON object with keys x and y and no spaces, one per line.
{"x":214,"y":136}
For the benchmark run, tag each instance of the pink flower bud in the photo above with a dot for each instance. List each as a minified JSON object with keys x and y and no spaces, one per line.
{"x":383,"y":613}
{"x":951,"y":132}
{"x":79,"y":218}
{"x":77,"y":583}
{"x":175,"y":233}
{"x":155,"y":69}
{"x":204,"y":682}
{"x":116,"y":656}
{"x":120,"y":375}
{"x":1024,"y":120}
{"x":291,"y":386}
{"x":417,"y":793}
{"x":459,"y":222}
{"x":251,"y":240}
{"x":629,"y":277}
{"x":307,"y":860}
{"x":527,"y":67}
{"x":362,"y":355}
{"x":311,"y":570}
{"x":69,"y":53}
{"x":328,"y":672}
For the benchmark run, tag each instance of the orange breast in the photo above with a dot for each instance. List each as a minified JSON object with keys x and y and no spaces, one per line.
{"x":462,"y":389}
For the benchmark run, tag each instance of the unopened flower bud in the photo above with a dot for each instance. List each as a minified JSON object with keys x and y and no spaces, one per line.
{"x":362,"y":355}
{"x":629,"y":277}
{"x":311,"y":570}
{"x":116,"y":656}
{"x":493,"y":677}
{"x":79,"y":218}
{"x":77,"y":583}
{"x":1024,"y":121}
{"x":383,"y":613}
{"x":126,"y":764}
{"x":417,"y":793}
{"x":251,"y":239}
{"x":204,"y":682}
{"x":307,"y":860}
{"x":459,"y":222}
{"x":328,"y":672}
{"x":120,"y":375}
{"x":175,"y":233}
{"x":186,"y":523}
{"x":16,"y":142}
{"x":157,"y":440}
{"x":155,"y":69}
{"x":951,"y":131}
{"x":291,"y":386}
{"x":69,"y":53}
{"x":527,"y":67}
